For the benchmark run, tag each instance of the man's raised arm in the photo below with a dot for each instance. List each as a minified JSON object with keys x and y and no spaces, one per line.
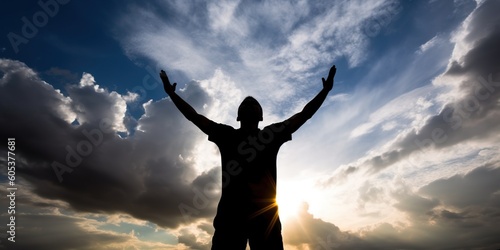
{"x":189,"y":112}
{"x":300,"y":118}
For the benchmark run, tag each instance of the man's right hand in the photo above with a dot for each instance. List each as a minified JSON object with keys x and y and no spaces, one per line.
{"x":169,"y":88}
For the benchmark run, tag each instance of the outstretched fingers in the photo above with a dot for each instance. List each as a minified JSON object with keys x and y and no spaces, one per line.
{"x":166,"y":83}
{"x":331,"y":74}
{"x":328,"y":83}
{"x":164,"y":77}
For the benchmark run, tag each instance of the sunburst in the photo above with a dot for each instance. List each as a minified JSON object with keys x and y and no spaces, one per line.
{"x":290,"y":198}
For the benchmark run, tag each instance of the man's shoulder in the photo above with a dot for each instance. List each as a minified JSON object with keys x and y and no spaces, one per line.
{"x":277,"y":127}
{"x":221,"y":126}
{"x":218,"y":131}
{"x":279,"y":130}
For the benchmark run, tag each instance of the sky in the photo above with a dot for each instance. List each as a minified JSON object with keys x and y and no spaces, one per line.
{"x":403,"y":154}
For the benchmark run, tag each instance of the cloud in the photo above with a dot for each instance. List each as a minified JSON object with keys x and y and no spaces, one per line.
{"x":191,"y":240}
{"x":476,"y":78}
{"x":306,"y":231}
{"x":462,"y":207}
{"x":334,"y":33}
{"x":51,"y":224}
{"x":65,"y":74}
{"x":469,"y":105}
{"x":265,"y":47}
{"x":370,"y":194}
{"x":435,"y":218}
{"x":86,"y":164}
{"x":64,"y":232}
{"x":405,"y":109}
{"x":429,"y":44}
{"x":91,"y":104}
{"x":476,"y":188}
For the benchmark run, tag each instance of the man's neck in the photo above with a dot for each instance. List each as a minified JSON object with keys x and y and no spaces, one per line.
{"x":249,"y":126}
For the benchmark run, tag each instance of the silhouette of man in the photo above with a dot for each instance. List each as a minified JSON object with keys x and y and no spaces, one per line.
{"x":247,"y":208}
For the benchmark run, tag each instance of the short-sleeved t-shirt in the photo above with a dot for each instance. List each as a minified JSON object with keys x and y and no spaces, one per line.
{"x":248,"y":164}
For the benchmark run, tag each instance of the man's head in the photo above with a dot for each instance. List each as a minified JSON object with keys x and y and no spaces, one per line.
{"x":249,"y":110}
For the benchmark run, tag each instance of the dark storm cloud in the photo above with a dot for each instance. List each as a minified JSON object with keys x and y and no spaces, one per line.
{"x":50,"y":224}
{"x":144,"y":175}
